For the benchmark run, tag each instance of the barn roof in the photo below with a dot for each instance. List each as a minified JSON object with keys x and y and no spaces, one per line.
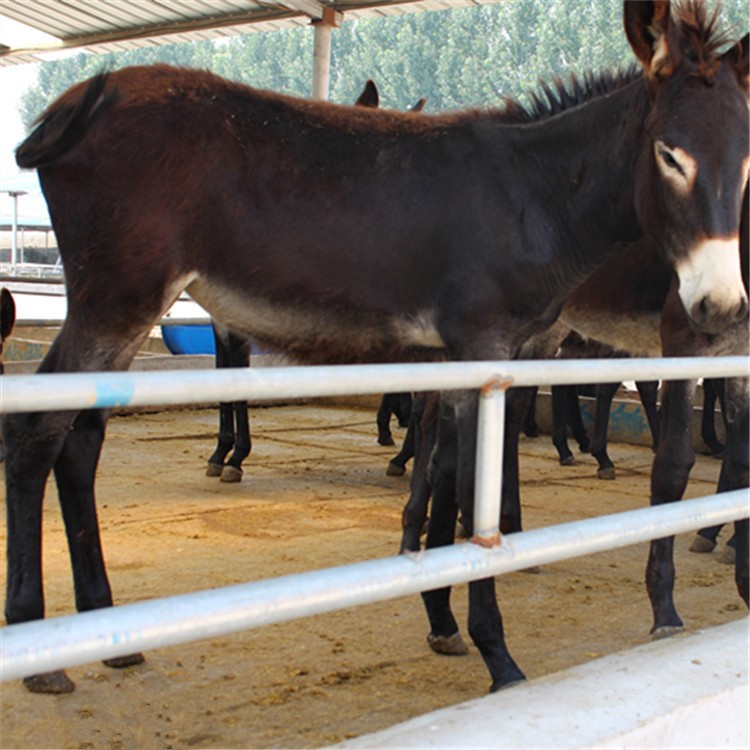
{"x":113,"y":25}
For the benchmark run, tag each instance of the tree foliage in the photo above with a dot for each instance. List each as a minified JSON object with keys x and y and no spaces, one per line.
{"x":454,"y":58}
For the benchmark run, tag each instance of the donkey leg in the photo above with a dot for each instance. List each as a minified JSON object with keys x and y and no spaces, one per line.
{"x":605,"y":392}
{"x":577,"y":428}
{"x":232,"y":469}
{"x":383,"y":418}
{"x":444,"y":637}
{"x":423,"y":425}
{"x":669,"y":475}
{"x":487,"y":632}
{"x":705,"y":539}
{"x":530,"y":427}
{"x":404,"y":403}
{"x":560,"y":425}
{"x":38,"y":441}
{"x":648,"y":390}
{"x":397,"y":465}
{"x":238,"y":350}
{"x":485,"y":620}
{"x":33,"y":443}
{"x":736,"y":414}
{"x":75,"y":471}
{"x":225,"y":438}
{"x":517,"y":404}
{"x":708,"y":418}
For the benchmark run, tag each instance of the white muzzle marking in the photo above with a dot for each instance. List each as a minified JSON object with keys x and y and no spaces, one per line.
{"x":711,"y":275}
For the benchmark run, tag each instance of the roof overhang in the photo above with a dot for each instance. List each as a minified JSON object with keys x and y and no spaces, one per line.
{"x":113,"y":25}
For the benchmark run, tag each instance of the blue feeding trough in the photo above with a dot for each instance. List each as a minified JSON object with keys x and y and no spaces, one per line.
{"x":189,"y":339}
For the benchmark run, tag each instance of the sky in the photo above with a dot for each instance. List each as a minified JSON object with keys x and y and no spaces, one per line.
{"x":14,"y":80}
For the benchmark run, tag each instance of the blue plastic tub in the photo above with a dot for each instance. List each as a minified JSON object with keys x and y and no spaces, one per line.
{"x":189,"y":339}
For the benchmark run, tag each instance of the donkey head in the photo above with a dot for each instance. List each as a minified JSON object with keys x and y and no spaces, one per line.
{"x":695,"y":163}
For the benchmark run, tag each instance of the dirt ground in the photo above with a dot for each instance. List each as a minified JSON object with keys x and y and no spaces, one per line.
{"x":315,"y":495}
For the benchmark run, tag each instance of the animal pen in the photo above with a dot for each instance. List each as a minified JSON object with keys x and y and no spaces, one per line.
{"x":77,"y":639}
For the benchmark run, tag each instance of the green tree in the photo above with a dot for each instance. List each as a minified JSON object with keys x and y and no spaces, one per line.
{"x":455,"y":58}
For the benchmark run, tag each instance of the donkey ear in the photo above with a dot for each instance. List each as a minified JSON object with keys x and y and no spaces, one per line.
{"x":419,"y":106}
{"x":737,"y":57}
{"x":646,"y":25}
{"x":369,"y":96}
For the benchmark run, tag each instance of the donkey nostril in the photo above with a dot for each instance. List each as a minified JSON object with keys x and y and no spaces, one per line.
{"x":703,"y":309}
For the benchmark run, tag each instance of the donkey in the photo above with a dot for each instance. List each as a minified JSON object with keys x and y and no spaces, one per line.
{"x":633,"y":305}
{"x":619,"y":303}
{"x":7,"y":321}
{"x":283,"y":217}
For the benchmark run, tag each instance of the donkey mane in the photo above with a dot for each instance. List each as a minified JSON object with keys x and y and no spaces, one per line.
{"x":701,"y":37}
{"x":560,"y":95}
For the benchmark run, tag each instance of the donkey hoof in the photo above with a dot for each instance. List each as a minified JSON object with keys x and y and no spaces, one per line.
{"x":120,"y":662}
{"x":214,"y":470}
{"x":607,"y":472}
{"x":395,"y":470}
{"x":666,"y":631}
{"x":729,"y":555}
{"x":386,"y":441}
{"x":448,"y":645}
{"x":231,"y":474}
{"x":568,"y":461}
{"x":53,"y":683}
{"x":516,"y":677}
{"x":701,"y":544}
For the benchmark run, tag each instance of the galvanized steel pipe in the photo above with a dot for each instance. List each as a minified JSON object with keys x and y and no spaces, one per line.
{"x":60,"y":642}
{"x":67,"y":391}
{"x":489,"y":461}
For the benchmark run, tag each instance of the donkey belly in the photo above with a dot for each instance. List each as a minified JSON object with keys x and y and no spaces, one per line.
{"x":320,"y":331}
{"x":638,"y":335}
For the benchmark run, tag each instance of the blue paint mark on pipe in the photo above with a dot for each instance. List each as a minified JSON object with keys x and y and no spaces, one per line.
{"x":113,"y":393}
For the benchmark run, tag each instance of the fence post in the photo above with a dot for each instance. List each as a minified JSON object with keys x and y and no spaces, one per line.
{"x":489,"y":466}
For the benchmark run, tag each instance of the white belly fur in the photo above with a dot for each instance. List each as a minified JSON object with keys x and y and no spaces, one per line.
{"x":293,"y":325}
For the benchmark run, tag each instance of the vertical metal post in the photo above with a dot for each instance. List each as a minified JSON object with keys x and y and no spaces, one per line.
{"x":322,"y":52}
{"x":489,"y":465}
{"x":14,"y":247}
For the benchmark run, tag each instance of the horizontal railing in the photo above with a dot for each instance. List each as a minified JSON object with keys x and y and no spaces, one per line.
{"x":49,"y":392}
{"x":56,"y":643}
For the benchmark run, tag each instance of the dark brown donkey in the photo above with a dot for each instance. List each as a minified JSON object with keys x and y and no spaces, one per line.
{"x":346,"y":234}
{"x":7,"y":321}
{"x":631,"y":302}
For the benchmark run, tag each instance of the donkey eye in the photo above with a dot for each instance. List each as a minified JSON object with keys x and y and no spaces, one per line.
{"x":668,"y":159}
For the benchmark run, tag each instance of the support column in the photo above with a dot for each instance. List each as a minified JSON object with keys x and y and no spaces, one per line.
{"x":14,"y":194}
{"x":322,"y":52}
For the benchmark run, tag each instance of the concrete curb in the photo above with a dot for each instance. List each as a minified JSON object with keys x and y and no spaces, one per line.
{"x":689,"y":691}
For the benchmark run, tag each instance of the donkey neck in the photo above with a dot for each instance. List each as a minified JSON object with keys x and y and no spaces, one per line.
{"x":588,"y":157}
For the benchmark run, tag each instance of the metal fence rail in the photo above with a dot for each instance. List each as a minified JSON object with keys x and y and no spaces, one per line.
{"x":42,"y":646}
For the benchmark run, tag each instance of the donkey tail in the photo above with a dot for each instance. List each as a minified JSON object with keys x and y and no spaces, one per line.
{"x":64,"y":124}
